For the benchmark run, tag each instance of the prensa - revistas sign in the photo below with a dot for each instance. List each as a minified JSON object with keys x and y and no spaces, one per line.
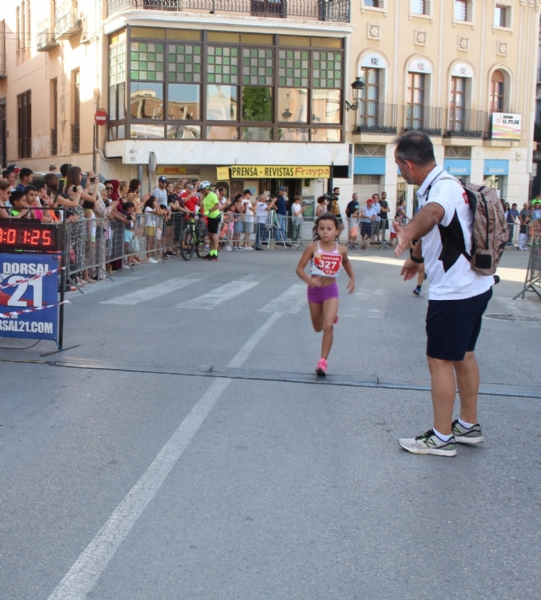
{"x":278,"y":172}
{"x":506,"y":126}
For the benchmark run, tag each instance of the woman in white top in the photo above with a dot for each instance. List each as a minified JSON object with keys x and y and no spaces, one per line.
{"x":248,"y":220}
{"x":296,"y":211}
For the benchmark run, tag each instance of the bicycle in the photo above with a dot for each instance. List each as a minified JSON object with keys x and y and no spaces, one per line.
{"x":193,"y":237}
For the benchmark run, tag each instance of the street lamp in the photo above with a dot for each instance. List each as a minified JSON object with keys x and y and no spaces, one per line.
{"x":357,"y":86}
{"x":286,"y":115}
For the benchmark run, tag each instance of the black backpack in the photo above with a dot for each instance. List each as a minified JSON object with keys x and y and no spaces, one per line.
{"x":351,"y":207}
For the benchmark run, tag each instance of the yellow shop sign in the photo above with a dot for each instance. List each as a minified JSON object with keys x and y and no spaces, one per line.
{"x":222,"y":173}
{"x":279,"y":172}
{"x":173,"y":170}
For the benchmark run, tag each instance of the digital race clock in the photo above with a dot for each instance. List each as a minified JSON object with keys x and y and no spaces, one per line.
{"x":29,"y":235}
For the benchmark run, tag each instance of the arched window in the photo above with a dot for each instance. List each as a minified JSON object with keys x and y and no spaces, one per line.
{"x":497,"y":91}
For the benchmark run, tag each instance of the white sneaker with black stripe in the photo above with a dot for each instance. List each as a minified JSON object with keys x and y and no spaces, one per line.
{"x":429,"y":443}
{"x":465,"y":435}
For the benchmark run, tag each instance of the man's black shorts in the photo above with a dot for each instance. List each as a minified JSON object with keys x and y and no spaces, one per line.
{"x":453,"y":326}
{"x":214,"y":224}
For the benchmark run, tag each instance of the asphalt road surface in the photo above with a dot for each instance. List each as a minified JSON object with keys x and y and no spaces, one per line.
{"x":185,"y":449}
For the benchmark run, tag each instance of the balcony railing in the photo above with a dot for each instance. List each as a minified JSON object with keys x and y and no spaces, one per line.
{"x":54,"y":142}
{"x":322,"y":10}
{"x":68,"y":21}
{"x":464,"y":123}
{"x":46,"y":38}
{"x":375,"y":117}
{"x":423,"y":118}
{"x":75,"y":138}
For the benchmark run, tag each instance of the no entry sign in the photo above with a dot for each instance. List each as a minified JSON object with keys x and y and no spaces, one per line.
{"x":101,"y":116}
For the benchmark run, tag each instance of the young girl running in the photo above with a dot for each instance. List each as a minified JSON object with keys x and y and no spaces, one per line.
{"x":326,"y":257}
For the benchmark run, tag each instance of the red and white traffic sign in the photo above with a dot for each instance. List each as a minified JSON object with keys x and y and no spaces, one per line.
{"x":101,"y":116}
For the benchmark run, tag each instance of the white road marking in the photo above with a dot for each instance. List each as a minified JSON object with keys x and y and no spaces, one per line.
{"x":381,"y":260}
{"x":152,"y":292}
{"x":86,"y":571}
{"x":292,"y":301}
{"x":220,"y":295}
{"x":250,"y":345}
{"x":106,"y":284}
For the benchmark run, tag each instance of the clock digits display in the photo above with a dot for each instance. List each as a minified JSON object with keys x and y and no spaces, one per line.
{"x":28,"y":237}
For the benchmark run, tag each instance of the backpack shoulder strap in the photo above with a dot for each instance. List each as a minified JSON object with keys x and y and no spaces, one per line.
{"x":460,"y":246}
{"x":442,"y":179}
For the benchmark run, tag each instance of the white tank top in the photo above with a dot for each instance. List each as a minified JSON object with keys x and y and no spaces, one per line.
{"x":326,"y":264}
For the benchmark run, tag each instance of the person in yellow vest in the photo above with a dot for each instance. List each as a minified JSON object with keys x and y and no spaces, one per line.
{"x":212,"y":208}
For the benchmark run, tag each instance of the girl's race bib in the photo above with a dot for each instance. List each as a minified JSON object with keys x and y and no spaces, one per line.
{"x":326,"y":265}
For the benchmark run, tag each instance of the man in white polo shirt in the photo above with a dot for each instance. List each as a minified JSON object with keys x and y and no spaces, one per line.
{"x":458,"y":295}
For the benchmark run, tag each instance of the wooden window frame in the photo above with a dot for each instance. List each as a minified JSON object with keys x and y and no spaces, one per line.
{"x":364,"y":114}
{"x":412,"y":78}
{"x":456,"y":123}
{"x":24,"y":124}
{"x":495,"y":95}
{"x":76,"y":121}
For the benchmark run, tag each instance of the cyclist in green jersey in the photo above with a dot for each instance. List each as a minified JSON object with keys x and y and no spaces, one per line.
{"x":212,"y":209}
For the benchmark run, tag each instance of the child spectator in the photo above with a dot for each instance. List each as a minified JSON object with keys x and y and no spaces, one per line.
{"x":151,"y":212}
{"x":129,"y":209}
{"x":31,"y":193}
{"x":20,"y":209}
{"x":352,"y":212}
{"x":237,"y":209}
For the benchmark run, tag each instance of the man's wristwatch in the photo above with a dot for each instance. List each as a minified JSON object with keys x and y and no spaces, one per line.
{"x":419,"y":261}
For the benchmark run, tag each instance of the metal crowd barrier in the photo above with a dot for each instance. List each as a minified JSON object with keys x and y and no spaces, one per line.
{"x":275,"y":232}
{"x":97,"y":246}
{"x":380,"y":236}
{"x":533,"y":274}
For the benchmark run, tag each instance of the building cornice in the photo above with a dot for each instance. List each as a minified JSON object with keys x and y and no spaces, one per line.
{"x":141,"y":18}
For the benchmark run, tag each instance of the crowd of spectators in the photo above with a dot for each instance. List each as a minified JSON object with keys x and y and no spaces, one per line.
{"x":113,"y":219}
{"x":527,"y":221}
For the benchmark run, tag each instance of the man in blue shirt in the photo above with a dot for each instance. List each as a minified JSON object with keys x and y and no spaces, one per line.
{"x":281,"y":214}
{"x":512,"y":216}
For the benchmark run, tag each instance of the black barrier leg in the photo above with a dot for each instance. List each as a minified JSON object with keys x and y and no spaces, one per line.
{"x":533,"y":276}
{"x":64,"y":263}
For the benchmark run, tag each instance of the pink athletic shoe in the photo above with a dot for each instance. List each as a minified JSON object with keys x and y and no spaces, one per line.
{"x":321,"y":368}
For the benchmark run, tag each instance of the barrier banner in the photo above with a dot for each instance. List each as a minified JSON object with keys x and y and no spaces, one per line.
{"x":29,"y":281}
